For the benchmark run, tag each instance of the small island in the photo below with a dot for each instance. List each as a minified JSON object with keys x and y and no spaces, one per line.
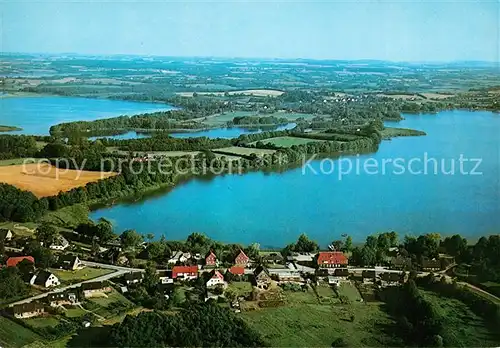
{"x":9,"y":128}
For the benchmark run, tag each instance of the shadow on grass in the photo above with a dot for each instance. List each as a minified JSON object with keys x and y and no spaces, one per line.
{"x":91,"y":337}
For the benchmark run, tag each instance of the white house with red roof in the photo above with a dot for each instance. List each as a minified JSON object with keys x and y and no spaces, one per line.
{"x":216,"y":278}
{"x":184,"y":272}
{"x":330,"y":259}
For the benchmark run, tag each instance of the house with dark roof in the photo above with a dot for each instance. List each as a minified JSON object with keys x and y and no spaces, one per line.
{"x":95,"y":289}
{"x":241,"y":259}
{"x":62,"y":298}
{"x":391,"y":278}
{"x":286,"y":275}
{"x":13,"y":261}
{"x":28,"y":310}
{"x":272,"y":258}
{"x":331,"y":259}
{"x":165,"y":276}
{"x":369,"y":277}
{"x":5,"y":235}
{"x":400,"y":262}
{"x":338,"y":275}
{"x":431,"y":265}
{"x":45,"y":278}
{"x":133,"y":277}
{"x":262,"y":277}
{"x":69,"y":262}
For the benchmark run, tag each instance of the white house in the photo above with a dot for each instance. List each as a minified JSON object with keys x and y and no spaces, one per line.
{"x":216,"y":278}
{"x":179,"y":256}
{"x":69,"y":262}
{"x":60,"y":244}
{"x":45,"y":279}
{"x":5,"y":235}
{"x":134,"y":277}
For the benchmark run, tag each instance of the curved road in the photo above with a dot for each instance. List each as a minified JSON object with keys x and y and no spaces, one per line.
{"x":119,"y":271}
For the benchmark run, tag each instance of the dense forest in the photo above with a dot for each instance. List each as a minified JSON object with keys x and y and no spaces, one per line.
{"x":18,"y":205}
{"x":200,"y":325}
{"x":16,"y":146}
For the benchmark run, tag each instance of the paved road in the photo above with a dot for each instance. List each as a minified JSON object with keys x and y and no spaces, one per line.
{"x":119,"y":271}
{"x":116,"y":268}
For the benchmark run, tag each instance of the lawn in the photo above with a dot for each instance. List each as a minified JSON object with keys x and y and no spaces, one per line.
{"x":462,"y":326}
{"x":73,"y":312}
{"x":300,"y":297}
{"x":11,"y":162}
{"x":241,"y":288}
{"x":294,"y":115}
{"x":325,"y":290}
{"x":70,"y":216}
{"x":80,"y":274}
{"x":113,"y":296}
{"x":348,"y":290}
{"x":15,"y":335}
{"x":25,"y":229}
{"x":237,"y":151}
{"x":113,"y":305}
{"x":44,"y":321}
{"x":315,"y":325}
{"x":222,"y":119}
{"x":288,"y":141}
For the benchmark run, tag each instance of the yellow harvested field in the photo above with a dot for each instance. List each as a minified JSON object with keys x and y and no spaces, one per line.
{"x":46,"y":180}
{"x":254,"y":92}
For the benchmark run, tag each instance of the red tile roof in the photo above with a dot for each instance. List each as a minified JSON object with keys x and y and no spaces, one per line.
{"x":332,"y":257}
{"x":217,"y":274}
{"x":237,"y":270}
{"x":183,"y":269}
{"x":211,"y":254}
{"x":242,"y":257}
{"x":13,"y":261}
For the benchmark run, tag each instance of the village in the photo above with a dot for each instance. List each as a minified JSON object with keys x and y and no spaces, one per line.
{"x":92,"y":293}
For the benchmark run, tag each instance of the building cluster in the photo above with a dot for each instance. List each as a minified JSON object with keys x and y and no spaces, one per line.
{"x":71,"y":297}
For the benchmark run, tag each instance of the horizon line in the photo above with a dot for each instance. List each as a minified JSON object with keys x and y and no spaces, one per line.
{"x":497,"y":62}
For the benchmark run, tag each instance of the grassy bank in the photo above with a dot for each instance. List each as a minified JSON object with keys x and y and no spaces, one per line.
{"x":461,"y":325}
{"x":15,"y":335}
{"x":317,"y":325}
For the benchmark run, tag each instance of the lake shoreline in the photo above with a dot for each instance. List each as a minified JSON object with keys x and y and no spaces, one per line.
{"x":179,"y":206}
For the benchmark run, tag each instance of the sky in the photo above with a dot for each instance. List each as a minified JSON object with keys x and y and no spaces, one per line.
{"x":404,"y":30}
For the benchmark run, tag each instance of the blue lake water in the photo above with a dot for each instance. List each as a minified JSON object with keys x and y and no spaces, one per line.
{"x":36,"y":114}
{"x":229,"y":133}
{"x":274,"y":208}
{"x":223,"y":132}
